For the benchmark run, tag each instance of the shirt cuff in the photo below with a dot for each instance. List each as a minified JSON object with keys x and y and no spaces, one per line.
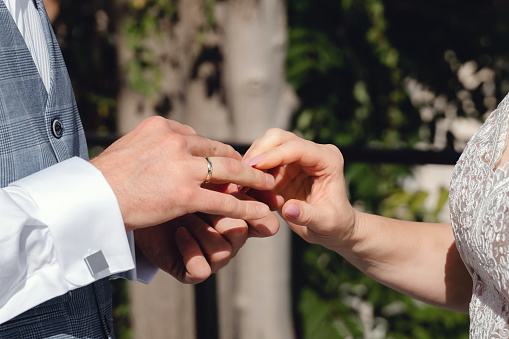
{"x":84,"y":219}
{"x":145,"y":271}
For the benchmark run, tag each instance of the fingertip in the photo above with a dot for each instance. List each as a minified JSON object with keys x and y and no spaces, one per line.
{"x":220,"y":259}
{"x":197,"y":266}
{"x":257,"y":159}
{"x":262,"y":210}
{"x":279,"y":201}
{"x":265,"y":227}
{"x":270,"y":180}
{"x":198,"y":271}
{"x":292,"y":212}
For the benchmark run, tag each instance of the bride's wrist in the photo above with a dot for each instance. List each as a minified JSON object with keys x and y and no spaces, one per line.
{"x":352,"y":236}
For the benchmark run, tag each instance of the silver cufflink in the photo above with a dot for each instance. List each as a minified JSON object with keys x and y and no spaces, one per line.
{"x":96,"y":262}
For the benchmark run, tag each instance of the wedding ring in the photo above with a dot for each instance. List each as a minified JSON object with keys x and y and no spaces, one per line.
{"x":209,"y":171}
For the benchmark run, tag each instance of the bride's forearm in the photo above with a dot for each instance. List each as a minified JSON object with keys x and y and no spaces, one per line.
{"x":417,"y":259}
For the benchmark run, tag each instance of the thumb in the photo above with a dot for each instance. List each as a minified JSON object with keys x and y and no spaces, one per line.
{"x":301,"y":213}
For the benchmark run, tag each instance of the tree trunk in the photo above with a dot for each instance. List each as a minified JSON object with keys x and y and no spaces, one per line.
{"x":254,"y":289}
{"x":225,"y":79}
{"x":165,"y":308}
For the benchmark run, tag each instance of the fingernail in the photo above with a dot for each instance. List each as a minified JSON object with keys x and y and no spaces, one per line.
{"x":292,"y":211}
{"x":243,"y":189}
{"x":270,"y":179}
{"x":263,"y":210}
{"x":246,"y":160}
{"x":183,"y":234}
{"x":256,"y":160}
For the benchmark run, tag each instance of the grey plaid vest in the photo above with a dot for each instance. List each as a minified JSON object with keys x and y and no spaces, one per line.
{"x":37,"y":129}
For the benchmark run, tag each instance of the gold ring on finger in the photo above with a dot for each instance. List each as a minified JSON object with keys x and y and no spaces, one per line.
{"x":209,"y":171}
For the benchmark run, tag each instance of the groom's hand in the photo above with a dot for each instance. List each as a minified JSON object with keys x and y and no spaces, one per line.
{"x":156,"y":172}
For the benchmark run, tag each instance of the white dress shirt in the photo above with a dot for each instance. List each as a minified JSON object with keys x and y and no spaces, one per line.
{"x":47,"y":230}
{"x":27,"y":19}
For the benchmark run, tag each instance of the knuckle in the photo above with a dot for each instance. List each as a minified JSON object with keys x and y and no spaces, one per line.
{"x":230,"y":204}
{"x":155,"y":121}
{"x":241,"y":233}
{"x":228,"y":150}
{"x":221,"y":258}
{"x":214,"y":145}
{"x":306,"y":217}
{"x":179,"y":126}
{"x":231,"y":150}
{"x":232,"y":166}
{"x":236,"y":230}
{"x":190,"y":130}
{"x":214,"y":204}
{"x":336,"y":152}
{"x":332,"y":148}
{"x":149,"y":123}
{"x":176,"y":141}
{"x":225,"y":225}
{"x":274,"y":132}
{"x":341,"y":159}
{"x":279,"y":133}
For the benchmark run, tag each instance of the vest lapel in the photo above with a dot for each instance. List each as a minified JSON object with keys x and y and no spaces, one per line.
{"x":27,"y":141}
{"x":51,"y":42}
{"x":61,"y":103}
{"x":11,"y":32}
{"x":23,"y":99}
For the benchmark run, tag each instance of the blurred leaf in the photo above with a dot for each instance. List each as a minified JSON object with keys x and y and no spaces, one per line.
{"x":348,"y":60}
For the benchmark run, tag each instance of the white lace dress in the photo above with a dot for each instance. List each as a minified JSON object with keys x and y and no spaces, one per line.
{"x":479,"y":202}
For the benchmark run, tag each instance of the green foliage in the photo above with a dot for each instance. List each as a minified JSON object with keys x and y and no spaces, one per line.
{"x":336,"y":296}
{"x":145,"y":21}
{"x":149,"y":21}
{"x":121,"y":311}
{"x":349,"y":62}
{"x":86,"y":35}
{"x":343,"y":68}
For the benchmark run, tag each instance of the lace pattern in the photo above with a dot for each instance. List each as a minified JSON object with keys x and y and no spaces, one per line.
{"x":479,"y":204}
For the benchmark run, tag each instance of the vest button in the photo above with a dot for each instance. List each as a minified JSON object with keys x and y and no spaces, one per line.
{"x":57,"y":128}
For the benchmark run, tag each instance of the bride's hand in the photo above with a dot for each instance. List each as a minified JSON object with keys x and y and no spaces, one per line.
{"x":310,"y":186}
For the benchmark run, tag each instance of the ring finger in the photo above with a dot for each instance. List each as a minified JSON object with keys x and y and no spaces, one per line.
{"x":227,"y":170}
